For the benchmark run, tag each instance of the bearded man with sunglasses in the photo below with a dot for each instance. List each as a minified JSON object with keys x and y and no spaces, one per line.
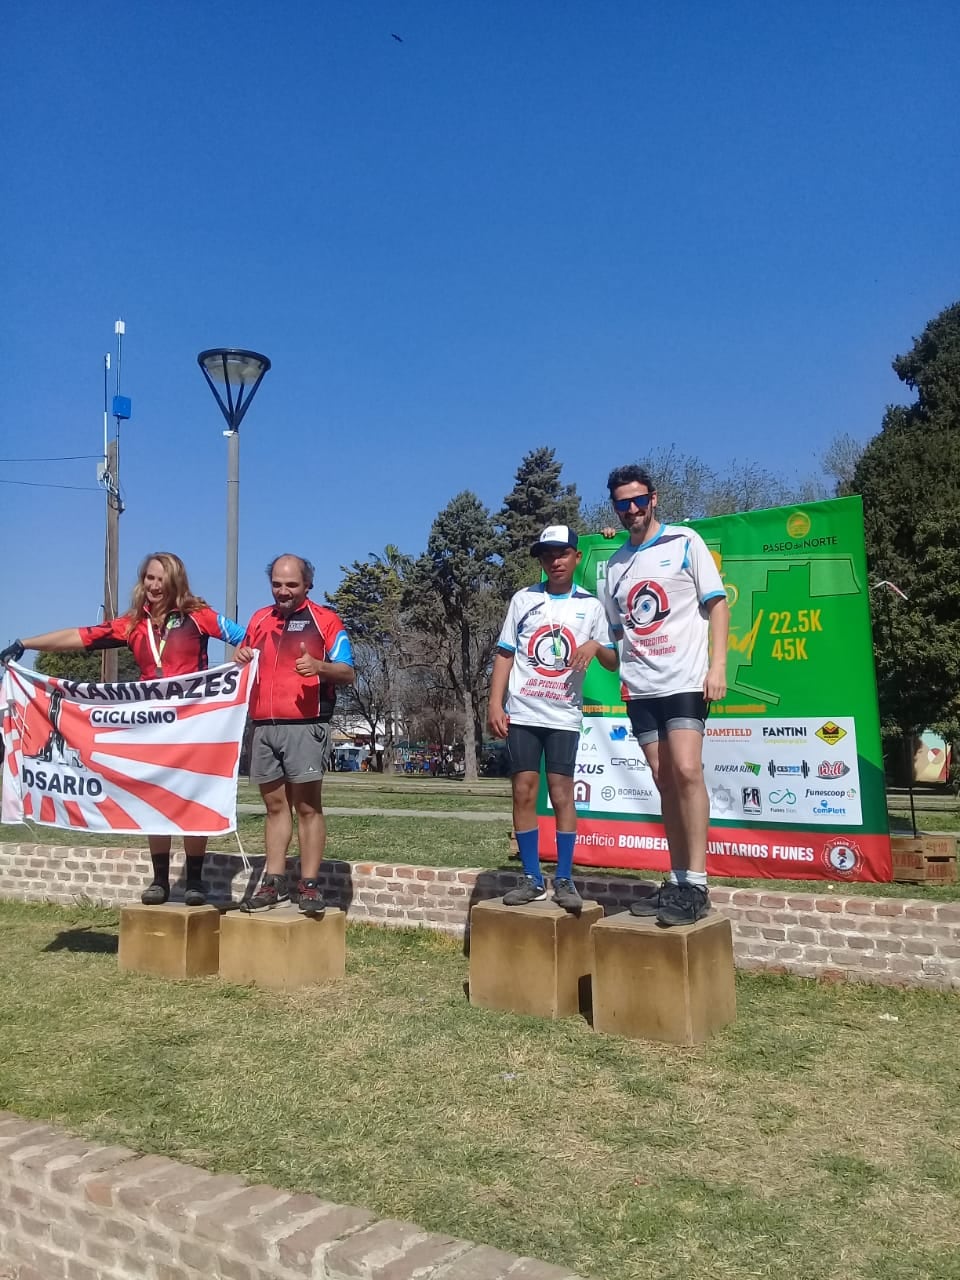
{"x":668,"y":609}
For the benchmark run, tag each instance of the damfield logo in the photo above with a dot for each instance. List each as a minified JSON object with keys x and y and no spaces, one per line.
{"x":831,"y":733}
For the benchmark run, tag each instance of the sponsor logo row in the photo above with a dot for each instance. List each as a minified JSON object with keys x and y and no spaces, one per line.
{"x":829,"y":733}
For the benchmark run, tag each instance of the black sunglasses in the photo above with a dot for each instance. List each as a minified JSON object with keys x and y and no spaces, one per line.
{"x":623,"y":505}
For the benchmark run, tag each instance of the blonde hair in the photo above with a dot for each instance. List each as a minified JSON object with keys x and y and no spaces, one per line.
{"x":178,"y":598}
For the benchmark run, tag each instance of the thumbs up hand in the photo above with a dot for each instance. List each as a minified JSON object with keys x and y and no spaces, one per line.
{"x":305,"y":665}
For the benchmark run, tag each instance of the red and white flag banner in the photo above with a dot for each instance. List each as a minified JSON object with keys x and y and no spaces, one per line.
{"x":159,"y":757}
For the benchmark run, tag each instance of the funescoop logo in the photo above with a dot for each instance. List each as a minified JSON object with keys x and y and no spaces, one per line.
{"x":551,"y":650}
{"x":647,"y":608}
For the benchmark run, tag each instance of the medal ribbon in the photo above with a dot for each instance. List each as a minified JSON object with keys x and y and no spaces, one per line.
{"x":156,"y":650}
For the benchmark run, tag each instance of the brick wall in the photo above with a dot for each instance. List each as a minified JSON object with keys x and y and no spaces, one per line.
{"x":899,"y":941}
{"x":72,"y":1210}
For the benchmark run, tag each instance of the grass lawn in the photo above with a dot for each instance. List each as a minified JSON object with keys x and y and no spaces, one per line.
{"x":818,"y":1137}
{"x":399,"y":796}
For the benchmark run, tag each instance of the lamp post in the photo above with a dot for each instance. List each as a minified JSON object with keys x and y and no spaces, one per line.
{"x":239,"y":374}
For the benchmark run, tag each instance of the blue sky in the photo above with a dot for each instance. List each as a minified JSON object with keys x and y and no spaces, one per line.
{"x":604,"y":227}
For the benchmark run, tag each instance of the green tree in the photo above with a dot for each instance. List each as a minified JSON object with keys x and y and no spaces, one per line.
{"x":85,"y":666}
{"x":455,"y":596}
{"x":909,"y":477}
{"x":369,"y":600}
{"x":538,"y":498}
{"x":840,"y":463}
{"x":689,"y":488}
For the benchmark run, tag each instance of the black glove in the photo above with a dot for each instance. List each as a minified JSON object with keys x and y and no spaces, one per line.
{"x":12,"y":653}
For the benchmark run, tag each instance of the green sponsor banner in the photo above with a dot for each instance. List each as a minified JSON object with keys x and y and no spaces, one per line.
{"x":792,"y":756}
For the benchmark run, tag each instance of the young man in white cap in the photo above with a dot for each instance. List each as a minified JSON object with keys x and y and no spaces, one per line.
{"x":552,"y":632}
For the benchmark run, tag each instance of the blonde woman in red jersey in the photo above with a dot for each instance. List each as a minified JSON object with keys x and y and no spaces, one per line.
{"x":166,"y":629}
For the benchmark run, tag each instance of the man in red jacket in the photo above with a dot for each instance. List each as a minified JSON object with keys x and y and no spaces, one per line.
{"x":304,"y":655}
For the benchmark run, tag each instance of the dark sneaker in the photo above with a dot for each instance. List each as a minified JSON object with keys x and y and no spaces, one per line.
{"x":565,"y":895}
{"x":273,"y":890}
{"x":193,"y":894}
{"x":530,"y":891}
{"x":689,"y":904}
{"x":310,"y":897}
{"x":650,"y":905}
{"x":155,"y":895}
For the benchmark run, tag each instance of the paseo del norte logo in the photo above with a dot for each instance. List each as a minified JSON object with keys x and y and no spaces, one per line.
{"x":798,"y":524}
{"x":647,"y":608}
{"x":551,"y":650}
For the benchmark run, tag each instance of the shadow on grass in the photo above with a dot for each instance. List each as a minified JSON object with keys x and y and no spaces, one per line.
{"x":85,"y":940}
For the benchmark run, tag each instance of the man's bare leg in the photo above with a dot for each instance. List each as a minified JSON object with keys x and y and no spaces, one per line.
{"x":681,"y":767}
{"x":278,"y":828}
{"x":311,"y":825}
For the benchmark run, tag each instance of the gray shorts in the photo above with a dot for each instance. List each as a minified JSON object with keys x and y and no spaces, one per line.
{"x":294,"y":752}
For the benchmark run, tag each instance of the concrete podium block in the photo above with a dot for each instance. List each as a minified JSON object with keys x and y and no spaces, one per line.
{"x":532,"y":959}
{"x":171,"y":941}
{"x":282,"y":949}
{"x":650,"y":983}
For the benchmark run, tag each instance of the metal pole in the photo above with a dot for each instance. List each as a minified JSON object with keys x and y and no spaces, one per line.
{"x":233,"y":525}
{"x":111,"y":567}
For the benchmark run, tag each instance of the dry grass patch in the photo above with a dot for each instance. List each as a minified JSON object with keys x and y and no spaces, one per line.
{"x":817,"y":1137}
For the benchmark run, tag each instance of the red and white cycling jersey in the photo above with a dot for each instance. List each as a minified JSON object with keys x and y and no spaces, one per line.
{"x":655,"y":595}
{"x":281,"y":695}
{"x":175,"y":649}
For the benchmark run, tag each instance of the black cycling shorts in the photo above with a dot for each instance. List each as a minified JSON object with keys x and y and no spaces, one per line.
{"x":652,"y":718}
{"x":526,"y":743}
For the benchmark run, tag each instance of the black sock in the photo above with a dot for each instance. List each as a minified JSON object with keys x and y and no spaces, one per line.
{"x":194,"y":868}
{"x":161,"y":868}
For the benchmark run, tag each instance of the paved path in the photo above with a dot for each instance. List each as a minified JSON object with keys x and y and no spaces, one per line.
{"x":337,"y":811}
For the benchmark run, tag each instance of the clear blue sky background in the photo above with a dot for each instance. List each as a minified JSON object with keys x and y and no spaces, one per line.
{"x":605,"y":227}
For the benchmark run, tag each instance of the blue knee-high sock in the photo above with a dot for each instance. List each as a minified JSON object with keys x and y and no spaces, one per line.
{"x":565,"y":842}
{"x":528,"y":842}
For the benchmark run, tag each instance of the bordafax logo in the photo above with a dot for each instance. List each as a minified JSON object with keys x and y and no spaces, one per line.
{"x":831,"y":733}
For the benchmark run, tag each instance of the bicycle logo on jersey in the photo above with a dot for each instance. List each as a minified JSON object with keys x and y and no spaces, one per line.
{"x":647,"y":608}
{"x":551,"y":650}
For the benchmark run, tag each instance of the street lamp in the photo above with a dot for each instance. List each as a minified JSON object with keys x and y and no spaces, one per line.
{"x":239,"y":373}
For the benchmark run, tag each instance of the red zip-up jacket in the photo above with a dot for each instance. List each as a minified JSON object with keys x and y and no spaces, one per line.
{"x":281,"y":695}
